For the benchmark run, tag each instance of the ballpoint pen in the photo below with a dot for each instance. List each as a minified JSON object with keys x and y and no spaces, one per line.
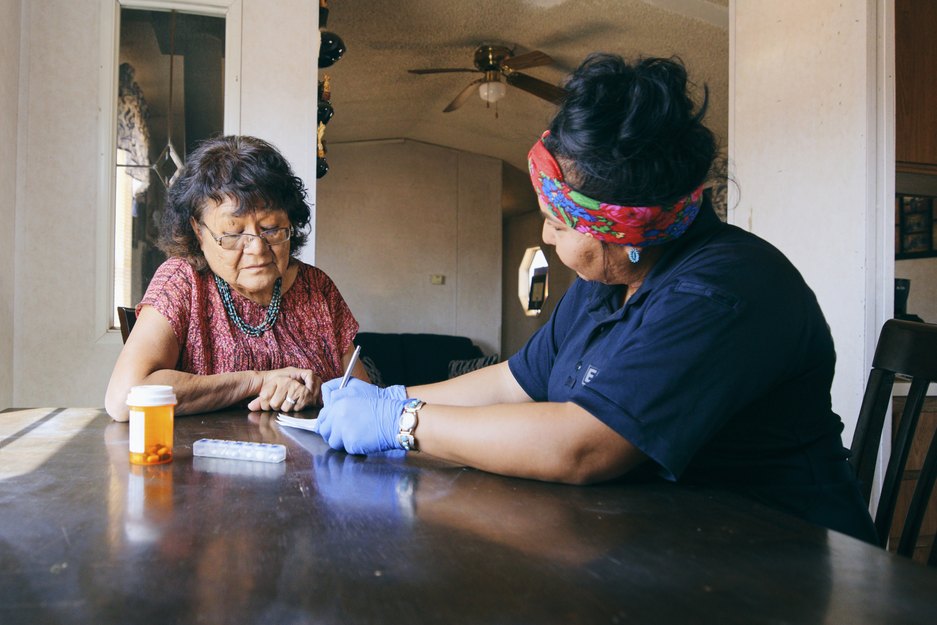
{"x":351,"y":365}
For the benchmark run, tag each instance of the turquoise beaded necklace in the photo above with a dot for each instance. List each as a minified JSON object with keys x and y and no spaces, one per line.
{"x":273,"y":310}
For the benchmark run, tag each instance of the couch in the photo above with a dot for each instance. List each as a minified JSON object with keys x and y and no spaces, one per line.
{"x":411,"y":359}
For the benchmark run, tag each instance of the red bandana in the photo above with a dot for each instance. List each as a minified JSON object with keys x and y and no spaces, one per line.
{"x":636,"y":226}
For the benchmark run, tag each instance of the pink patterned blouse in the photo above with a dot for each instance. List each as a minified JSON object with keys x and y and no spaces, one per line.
{"x":314,"y":329}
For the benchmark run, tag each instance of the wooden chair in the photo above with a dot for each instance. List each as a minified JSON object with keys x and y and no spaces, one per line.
{"x":909,"y":349}
{"x":127,"y":317}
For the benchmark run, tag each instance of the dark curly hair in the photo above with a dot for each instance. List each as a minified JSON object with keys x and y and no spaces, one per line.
{"x":246,"y":169}
{"x":629,"y":133}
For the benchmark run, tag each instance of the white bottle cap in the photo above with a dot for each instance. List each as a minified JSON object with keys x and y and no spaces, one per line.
{"x":151,"y":395}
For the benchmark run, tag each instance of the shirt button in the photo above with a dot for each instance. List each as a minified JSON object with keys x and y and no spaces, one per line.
{"x":578,"y":365}
{"x":569,"y":381}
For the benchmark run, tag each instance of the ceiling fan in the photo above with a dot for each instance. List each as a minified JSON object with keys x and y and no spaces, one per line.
{"x":496,"y":62}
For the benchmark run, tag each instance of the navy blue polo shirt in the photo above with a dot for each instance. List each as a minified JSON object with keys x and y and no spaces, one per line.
{"x":718,"y":368}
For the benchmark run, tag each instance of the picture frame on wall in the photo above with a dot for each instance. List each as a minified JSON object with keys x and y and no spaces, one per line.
{"x":915,"y":226}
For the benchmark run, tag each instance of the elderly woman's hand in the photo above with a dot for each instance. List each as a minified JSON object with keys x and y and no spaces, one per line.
{"x":288,"y":390}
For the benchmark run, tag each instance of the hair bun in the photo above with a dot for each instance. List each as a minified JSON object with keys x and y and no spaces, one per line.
{"x":631,"y":132}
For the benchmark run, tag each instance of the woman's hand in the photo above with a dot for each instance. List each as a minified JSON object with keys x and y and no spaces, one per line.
{"x":360,"y":424}
{"x":288,"y":389}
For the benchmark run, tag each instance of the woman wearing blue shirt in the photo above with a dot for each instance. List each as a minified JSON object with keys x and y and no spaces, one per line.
{"x":687,"y":346}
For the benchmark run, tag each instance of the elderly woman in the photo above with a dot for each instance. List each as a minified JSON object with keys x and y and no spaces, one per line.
{"x":687,"y":347}
{"x":233,"y":317}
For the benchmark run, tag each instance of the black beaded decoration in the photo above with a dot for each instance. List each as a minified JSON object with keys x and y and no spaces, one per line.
{"x":273,"y":310}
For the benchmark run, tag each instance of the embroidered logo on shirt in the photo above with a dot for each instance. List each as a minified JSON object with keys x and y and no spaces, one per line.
{"x":591,"y":372}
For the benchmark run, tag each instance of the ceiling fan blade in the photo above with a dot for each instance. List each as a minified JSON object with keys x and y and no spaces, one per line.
{"x":536,"y":58}
{"x":464,"y":95}
{"x":441,"y":70}
{"x":537,"y":87}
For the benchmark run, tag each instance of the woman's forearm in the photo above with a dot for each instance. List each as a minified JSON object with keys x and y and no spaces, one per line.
{"x":194,"y":393}
{"x":482,"y":387}
{"x":545,"y":441}
{"x":205,"y":393}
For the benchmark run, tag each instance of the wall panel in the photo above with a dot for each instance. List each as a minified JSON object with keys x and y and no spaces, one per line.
{"x":9,"y":105}
{"x":393,"y":213}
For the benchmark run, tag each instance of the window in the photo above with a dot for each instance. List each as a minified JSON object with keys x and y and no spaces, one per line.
{"x":170,"y":96}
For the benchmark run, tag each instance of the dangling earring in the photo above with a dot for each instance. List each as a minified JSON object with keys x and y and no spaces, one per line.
{"x":634,"y":255}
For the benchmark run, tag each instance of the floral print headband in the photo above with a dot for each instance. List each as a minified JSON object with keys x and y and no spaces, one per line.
{"x":636,"y":226}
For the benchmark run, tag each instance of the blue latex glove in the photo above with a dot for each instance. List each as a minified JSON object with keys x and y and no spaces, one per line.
{"x":359,"y":424}
{"x":362,"y":388}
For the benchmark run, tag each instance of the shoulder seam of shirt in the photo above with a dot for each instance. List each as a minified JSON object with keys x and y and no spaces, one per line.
{"x":709,"y":292}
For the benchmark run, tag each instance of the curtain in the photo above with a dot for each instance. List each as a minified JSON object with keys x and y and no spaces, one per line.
{"x":133,"y":135}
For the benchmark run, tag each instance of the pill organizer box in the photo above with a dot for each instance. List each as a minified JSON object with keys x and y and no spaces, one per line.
{"x":239,"y":450}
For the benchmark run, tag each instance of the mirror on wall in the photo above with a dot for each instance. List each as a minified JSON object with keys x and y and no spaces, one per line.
{"x":170,"y":96}
{"x":533,"y":281}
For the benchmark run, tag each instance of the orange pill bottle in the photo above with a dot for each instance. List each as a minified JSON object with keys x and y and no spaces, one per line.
{"x":152,"y":409}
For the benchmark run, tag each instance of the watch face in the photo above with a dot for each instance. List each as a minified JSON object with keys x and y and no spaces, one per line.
{"x":407,"y":421}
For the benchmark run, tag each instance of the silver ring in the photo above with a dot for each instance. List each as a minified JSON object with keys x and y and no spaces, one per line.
{"x":289,"y":400}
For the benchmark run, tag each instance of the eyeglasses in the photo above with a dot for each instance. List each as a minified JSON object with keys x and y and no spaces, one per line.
{"x":274,"y":236}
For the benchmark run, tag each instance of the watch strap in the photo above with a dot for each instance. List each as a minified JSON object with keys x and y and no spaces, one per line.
{"x":405,"y":436}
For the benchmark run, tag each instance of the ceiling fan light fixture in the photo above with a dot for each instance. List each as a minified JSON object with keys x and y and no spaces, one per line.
{"x":492,"y":91}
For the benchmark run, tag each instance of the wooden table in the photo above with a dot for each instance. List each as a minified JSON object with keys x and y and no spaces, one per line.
{"x":329,"y":538}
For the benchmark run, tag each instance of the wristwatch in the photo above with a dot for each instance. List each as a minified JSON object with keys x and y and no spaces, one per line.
{"x":408,"y":422}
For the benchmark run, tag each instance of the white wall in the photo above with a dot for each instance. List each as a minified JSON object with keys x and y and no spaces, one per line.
{"x":808,"y":147}
{"x":57,"y":361}
{"x":279,"y":84}
{"x":393,"y":213}
{"x":9,"y":96}
{"x":63,"y":357}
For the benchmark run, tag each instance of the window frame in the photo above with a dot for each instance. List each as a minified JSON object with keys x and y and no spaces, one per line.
{"x":106,"y":327}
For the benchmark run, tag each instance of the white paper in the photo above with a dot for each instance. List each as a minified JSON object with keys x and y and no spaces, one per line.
{"x":294,"y":422}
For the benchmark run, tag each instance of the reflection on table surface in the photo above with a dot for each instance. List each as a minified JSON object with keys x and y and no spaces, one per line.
{"x":325,"y":537}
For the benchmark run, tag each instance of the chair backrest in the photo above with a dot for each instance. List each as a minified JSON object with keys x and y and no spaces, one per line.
{"x":908,"y":349}
{"x":127,"y":317}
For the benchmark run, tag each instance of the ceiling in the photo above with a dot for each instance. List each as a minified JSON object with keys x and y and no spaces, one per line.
{"x":374,"y":96}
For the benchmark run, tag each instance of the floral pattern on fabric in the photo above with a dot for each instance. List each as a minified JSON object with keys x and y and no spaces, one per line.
{"x":637,"y":226}
{"x":314,"y":329}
